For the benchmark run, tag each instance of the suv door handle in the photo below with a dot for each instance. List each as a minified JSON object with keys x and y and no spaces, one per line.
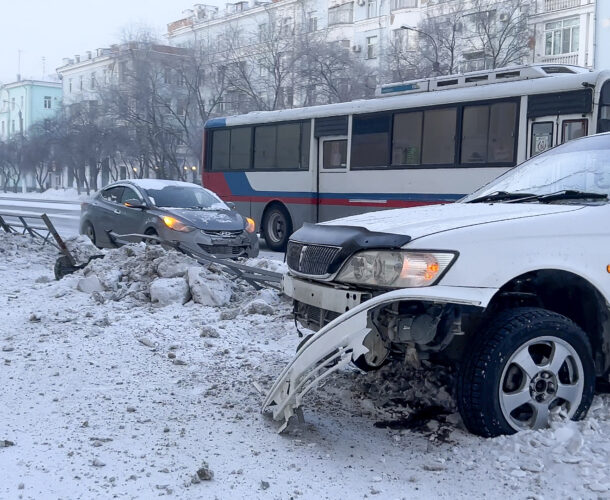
{"x":117,"y":211}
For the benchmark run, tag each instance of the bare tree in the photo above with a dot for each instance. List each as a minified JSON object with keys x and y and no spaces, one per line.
{"x":500,"y":30}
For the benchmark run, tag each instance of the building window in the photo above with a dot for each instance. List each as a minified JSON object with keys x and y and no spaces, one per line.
{"x":70,"y":85}
{"x":262,"y":32}
{"x":47,"y":102}
{"x":92,"y":82}
{"x":371,"y":47}
{"x":312,"y":22}
{"x":13,"y":126}
{"x":371,"y":9}
{"x":13,"y":103}
{"x":561,"y":37}
{"x":80,"y":82}
{"x":342,"y":14}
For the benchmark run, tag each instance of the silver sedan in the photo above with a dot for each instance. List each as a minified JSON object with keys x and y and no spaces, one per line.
{"x":173,"y":211}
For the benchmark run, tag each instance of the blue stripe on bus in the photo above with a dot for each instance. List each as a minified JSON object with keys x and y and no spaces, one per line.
{"x":216,"y":123}
{"x":240,"y":186}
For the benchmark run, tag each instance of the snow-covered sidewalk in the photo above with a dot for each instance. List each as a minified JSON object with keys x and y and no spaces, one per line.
{"x":105,"y":393}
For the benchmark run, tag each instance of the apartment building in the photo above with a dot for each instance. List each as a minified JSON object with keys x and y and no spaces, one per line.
{"x":26,"y":102}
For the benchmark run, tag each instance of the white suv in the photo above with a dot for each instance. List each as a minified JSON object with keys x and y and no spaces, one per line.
{"x":511,"y":284}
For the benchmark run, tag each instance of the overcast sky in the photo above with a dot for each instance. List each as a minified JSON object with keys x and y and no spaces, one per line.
{"x":55,"y":29}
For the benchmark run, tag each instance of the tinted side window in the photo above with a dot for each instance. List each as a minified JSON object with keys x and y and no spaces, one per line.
{"x":221,"y":140}
{"x":241,"y":142}
{"x":113,"y":194}
{"x":406,"y":138}
{"x":439,"y":136}
{"x":129,"y":194}
{"x":488,"y":133}
{"x":264,"y":147}
{"x":370,"y":141}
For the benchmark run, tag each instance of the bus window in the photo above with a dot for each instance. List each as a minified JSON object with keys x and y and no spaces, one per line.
{"x":282,"y":147}
{"x":370,"y":141}
{"x":502,"y":132}
{"x":603,"y":124}
{"x":241,"y":141}
{"x":221,"y":140}
{"x":573,"y":129}
{"x":406,"y":138}
{"x":475,"y":128}
{"x":439,"y":136}
{"x":334,"y":154}
{"x":488,"y":133}
{"x":542,"y":137}
{"x":305,"y":142}
{"x":288,"y":141}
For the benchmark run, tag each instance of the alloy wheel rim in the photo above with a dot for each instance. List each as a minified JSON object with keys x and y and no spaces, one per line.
{"x":543,"y":377}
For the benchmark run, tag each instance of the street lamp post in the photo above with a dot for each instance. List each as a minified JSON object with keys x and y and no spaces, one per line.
{"x":19,"y":113}
{"x":435,"y":63}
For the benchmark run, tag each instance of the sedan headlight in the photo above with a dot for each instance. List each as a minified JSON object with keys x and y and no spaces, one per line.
{"x":250,"y":225}
{"x":395,"y":269}
{"x":176,"y":225}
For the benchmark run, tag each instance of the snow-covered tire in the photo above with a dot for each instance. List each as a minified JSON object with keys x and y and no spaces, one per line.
{"x":89,"y":231}
{"x":526,"y":364}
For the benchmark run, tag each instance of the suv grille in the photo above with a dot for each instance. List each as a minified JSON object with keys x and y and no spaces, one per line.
{"x":313,"y":260}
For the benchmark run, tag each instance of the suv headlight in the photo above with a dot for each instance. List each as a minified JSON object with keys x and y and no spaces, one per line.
{"x":395,"y":268}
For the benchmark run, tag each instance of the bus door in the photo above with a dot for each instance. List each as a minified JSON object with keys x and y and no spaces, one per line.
{"x":557,"y":118}
{"x":331,"y":138}
{"x":332,"y":173}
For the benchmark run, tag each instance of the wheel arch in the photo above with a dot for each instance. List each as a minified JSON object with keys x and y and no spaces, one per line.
{"x":565,"y":293}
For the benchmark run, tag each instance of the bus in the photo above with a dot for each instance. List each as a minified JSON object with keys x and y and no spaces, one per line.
{"x":419,"y":142}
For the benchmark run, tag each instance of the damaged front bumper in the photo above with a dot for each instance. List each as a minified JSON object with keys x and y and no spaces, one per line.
{"x":340,"y":341}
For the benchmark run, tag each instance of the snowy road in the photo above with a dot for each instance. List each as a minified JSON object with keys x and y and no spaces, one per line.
{"x":107,"y":394}
{"x":64,"y":214}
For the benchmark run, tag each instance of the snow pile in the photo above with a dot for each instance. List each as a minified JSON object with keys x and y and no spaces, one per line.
{"x":81,"y":248}
{"x":150,"y":273}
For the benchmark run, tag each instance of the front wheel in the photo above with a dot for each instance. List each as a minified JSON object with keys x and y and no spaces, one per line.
{"x":277,"y":228}
{"x":526,"y":366}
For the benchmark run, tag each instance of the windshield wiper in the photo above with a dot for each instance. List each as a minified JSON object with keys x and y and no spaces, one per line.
{"x":571,"y":194}
{"x":501,"y":196}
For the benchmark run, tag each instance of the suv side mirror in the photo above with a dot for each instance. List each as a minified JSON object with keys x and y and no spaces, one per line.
{"x":133,"y":203}
{"x":230,"y":204}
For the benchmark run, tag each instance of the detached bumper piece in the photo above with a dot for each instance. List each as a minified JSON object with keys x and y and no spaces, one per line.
{"x":336,"y":344}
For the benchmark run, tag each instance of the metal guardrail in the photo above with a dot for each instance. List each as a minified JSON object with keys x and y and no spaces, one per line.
{"x":30,"y":224}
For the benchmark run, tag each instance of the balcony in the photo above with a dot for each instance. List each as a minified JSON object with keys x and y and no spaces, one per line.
{"x":553,"y":5}
{"x":404,"y":4}
{"x":342,"y":14}
{"x":561,"y":59}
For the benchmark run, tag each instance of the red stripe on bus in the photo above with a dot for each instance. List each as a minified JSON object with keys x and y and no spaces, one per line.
{"x":332,"y":201}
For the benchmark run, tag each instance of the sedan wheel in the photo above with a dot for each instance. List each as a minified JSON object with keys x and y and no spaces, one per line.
{"x":90,"y":232}
{"x":527,"y":366}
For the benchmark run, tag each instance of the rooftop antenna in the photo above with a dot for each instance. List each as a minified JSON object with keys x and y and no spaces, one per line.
{"x":19,"y":65}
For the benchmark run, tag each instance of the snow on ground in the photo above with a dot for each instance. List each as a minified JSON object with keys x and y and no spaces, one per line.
{"x":68,"y":194}
{"x":108,"y":394}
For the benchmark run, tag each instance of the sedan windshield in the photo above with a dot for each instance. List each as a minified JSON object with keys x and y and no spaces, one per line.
{"x":185,"y":197}
{"x":578,"y":170}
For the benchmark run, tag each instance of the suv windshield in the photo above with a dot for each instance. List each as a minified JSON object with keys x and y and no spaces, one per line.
{"x":579,"y":169}
{"x":185,"y":197}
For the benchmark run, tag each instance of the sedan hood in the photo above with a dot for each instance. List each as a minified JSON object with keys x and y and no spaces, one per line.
{"x":423,"y":221}
{"x":211,"y":220}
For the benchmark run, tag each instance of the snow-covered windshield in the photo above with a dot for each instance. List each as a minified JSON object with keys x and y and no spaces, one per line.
{"x":185,"y":197}
{"x":581,"y":165}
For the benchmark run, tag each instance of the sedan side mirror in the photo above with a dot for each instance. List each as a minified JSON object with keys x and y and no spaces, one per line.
{"x":133,"y":203}
{"x":230,"y":204}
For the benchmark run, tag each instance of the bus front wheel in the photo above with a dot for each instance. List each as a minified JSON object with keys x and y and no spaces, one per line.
{"x":277,"y":228}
